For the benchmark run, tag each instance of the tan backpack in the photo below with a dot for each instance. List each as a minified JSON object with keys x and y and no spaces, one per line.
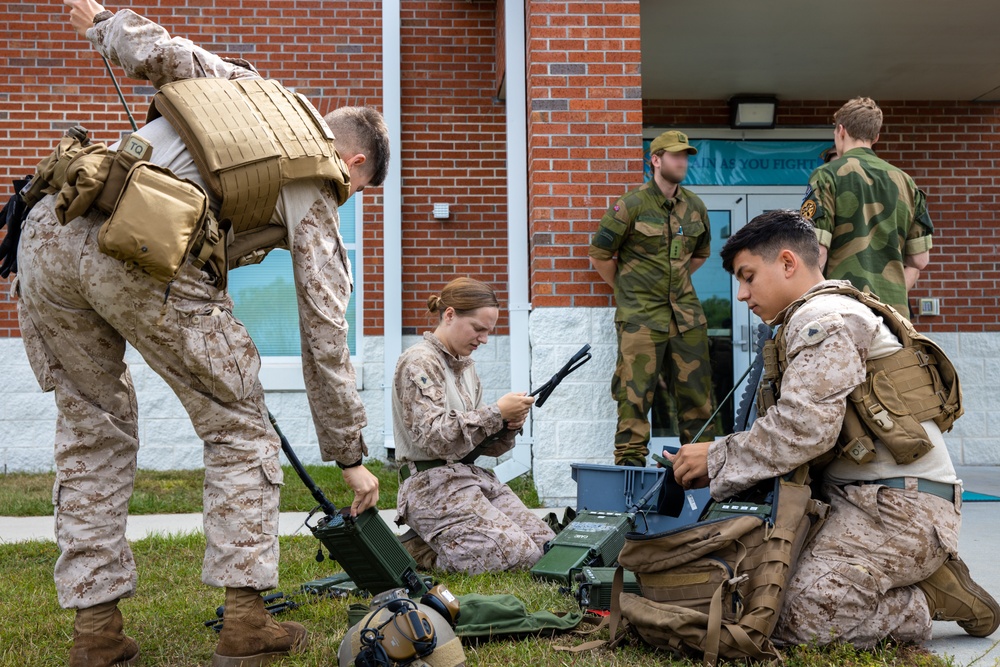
{"x":715,"y":588}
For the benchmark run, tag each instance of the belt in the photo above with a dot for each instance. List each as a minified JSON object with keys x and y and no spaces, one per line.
{"x":939,"y":489}
{"x":405,"y":472}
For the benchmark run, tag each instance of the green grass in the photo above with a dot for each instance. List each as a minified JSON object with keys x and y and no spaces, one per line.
{"x":167,"y":613}
{"x":179,"y":491}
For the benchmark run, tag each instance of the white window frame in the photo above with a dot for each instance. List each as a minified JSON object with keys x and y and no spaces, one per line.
{"x":284,"y":373}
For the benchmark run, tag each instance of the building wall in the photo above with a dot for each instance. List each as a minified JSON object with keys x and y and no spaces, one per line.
{"x":453,"y":151}
{"x":167,"y":440}
{"x":585,"y":124}
{"x":52,"y":79}
{"x":584,"y":137}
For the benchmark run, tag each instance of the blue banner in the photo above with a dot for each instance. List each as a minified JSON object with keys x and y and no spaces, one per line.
{"x":725,"y":162}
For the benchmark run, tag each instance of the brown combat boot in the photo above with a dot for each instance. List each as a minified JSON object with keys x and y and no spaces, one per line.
{"x":250,"y":636}
{"x":98,"y":639}
{"x":422,"y":552}
{"x":952,"y":595}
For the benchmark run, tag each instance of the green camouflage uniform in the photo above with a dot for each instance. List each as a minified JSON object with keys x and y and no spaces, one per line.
{"x":871,"y":216}
{"x":661,"y":325}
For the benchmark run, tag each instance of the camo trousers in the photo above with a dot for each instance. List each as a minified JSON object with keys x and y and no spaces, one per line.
{"x":471,"y":520}
{"x":683,"y":360}
{"x":79,"y":307}
{"x":855,"y":581}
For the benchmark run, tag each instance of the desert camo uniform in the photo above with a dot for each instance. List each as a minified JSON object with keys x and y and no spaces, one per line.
{"x":854,"y":581}
{"x":659,"y":320}
{"x":871,"y":216}
{"x":78,"y":309}
{"x":470,"y":519}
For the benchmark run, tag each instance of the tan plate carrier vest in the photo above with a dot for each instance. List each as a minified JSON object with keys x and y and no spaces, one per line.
{"x":914,"y":384}
{"x":248,"y":138}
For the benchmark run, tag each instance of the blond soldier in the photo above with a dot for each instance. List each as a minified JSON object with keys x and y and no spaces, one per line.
{"x":885,"y":562}
{"x":85,"y":305}
{"x":469,"y":520}
{"x":871,"y":219}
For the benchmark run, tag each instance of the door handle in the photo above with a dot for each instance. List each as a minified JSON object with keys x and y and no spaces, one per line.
{"x":744,"y":341}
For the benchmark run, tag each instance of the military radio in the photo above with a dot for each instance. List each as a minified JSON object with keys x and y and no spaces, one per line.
{"x":365,"y":546}
{"x":594,"y":586}
{"x":594,"y":538}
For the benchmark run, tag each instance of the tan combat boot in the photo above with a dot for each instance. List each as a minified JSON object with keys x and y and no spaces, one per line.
{"x":250,"y":636}
{"x":952,"y":595}
{"x":422,"y":552}
{"x":98,"y":639}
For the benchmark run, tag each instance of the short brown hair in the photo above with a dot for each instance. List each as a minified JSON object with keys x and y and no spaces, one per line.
{"x":861,"y":117}
{"x":464,"y":295}
{"x":362,"y":130}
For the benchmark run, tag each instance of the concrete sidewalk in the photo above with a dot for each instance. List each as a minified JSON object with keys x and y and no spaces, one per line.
{"x":20,"y":529}
{"x":979,"y":545}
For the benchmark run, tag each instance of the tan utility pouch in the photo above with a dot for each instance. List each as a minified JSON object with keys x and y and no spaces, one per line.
{"x":155,"y":222}
{"x":881,"y":405}
{"x":132,"y":150}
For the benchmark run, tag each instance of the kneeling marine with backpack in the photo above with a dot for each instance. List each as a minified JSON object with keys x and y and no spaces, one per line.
{"x":715,"y":588}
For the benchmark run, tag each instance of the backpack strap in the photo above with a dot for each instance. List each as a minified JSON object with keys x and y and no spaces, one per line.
{"x":613,"y":620}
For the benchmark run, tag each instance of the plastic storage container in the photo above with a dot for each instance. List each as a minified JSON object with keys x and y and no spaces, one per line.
{"x":618,"y":488}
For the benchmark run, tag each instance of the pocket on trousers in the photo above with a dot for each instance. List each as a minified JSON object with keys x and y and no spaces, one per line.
{"x":34,"y":348}
{"x":274,"y":478}
{"x":219,"y":353}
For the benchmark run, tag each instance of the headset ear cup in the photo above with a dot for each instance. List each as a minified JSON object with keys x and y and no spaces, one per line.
{"x":434,"y":603}
{"x":396,"y":606}
{"x":442,"y":601}
{"x":372,"y":656}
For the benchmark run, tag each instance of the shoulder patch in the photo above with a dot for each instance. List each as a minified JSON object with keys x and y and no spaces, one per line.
{"x":813,"y":333}
{"x":808,"y":209}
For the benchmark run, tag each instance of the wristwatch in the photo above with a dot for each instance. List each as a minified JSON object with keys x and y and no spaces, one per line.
{"x":349,"y":465}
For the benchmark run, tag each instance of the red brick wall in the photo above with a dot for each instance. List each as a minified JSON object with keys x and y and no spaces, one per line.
{"x":453,"y":152}
{"x":584,"y":137}
{"x":949,"y":148}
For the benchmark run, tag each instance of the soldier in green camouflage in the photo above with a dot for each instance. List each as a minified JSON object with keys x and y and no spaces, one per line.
{"x":647,"y":246}
{"x":871,"y":219}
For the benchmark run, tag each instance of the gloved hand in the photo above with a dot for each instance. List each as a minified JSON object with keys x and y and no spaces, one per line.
{"x":13,"y":214}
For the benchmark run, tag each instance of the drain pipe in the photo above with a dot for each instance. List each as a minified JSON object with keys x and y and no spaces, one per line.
{"x":392,"y":209}
{"x":517,"y":228}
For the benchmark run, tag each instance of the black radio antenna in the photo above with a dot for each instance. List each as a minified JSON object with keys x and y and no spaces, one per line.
{"x":128,"y":113}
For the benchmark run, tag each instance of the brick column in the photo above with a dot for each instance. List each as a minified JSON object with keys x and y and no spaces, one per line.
{"x":584,"y":151}
{"x":584,"y":137}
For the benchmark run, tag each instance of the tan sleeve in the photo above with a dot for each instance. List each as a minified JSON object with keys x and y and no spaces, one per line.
{"x":827,"y":354}
{"x":918,"y":240}
{"x":146,"y":51}
{"x":437,"y":430}
{"x":323,"y":287}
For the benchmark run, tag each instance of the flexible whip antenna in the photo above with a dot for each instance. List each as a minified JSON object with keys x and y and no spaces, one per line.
{"x":128,"y":113}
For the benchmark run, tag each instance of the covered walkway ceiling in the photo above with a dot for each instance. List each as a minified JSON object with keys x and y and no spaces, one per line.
{"x":805,"y":49}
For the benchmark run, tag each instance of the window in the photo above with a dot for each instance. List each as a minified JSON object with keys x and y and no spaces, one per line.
{"x":264,"y":298}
